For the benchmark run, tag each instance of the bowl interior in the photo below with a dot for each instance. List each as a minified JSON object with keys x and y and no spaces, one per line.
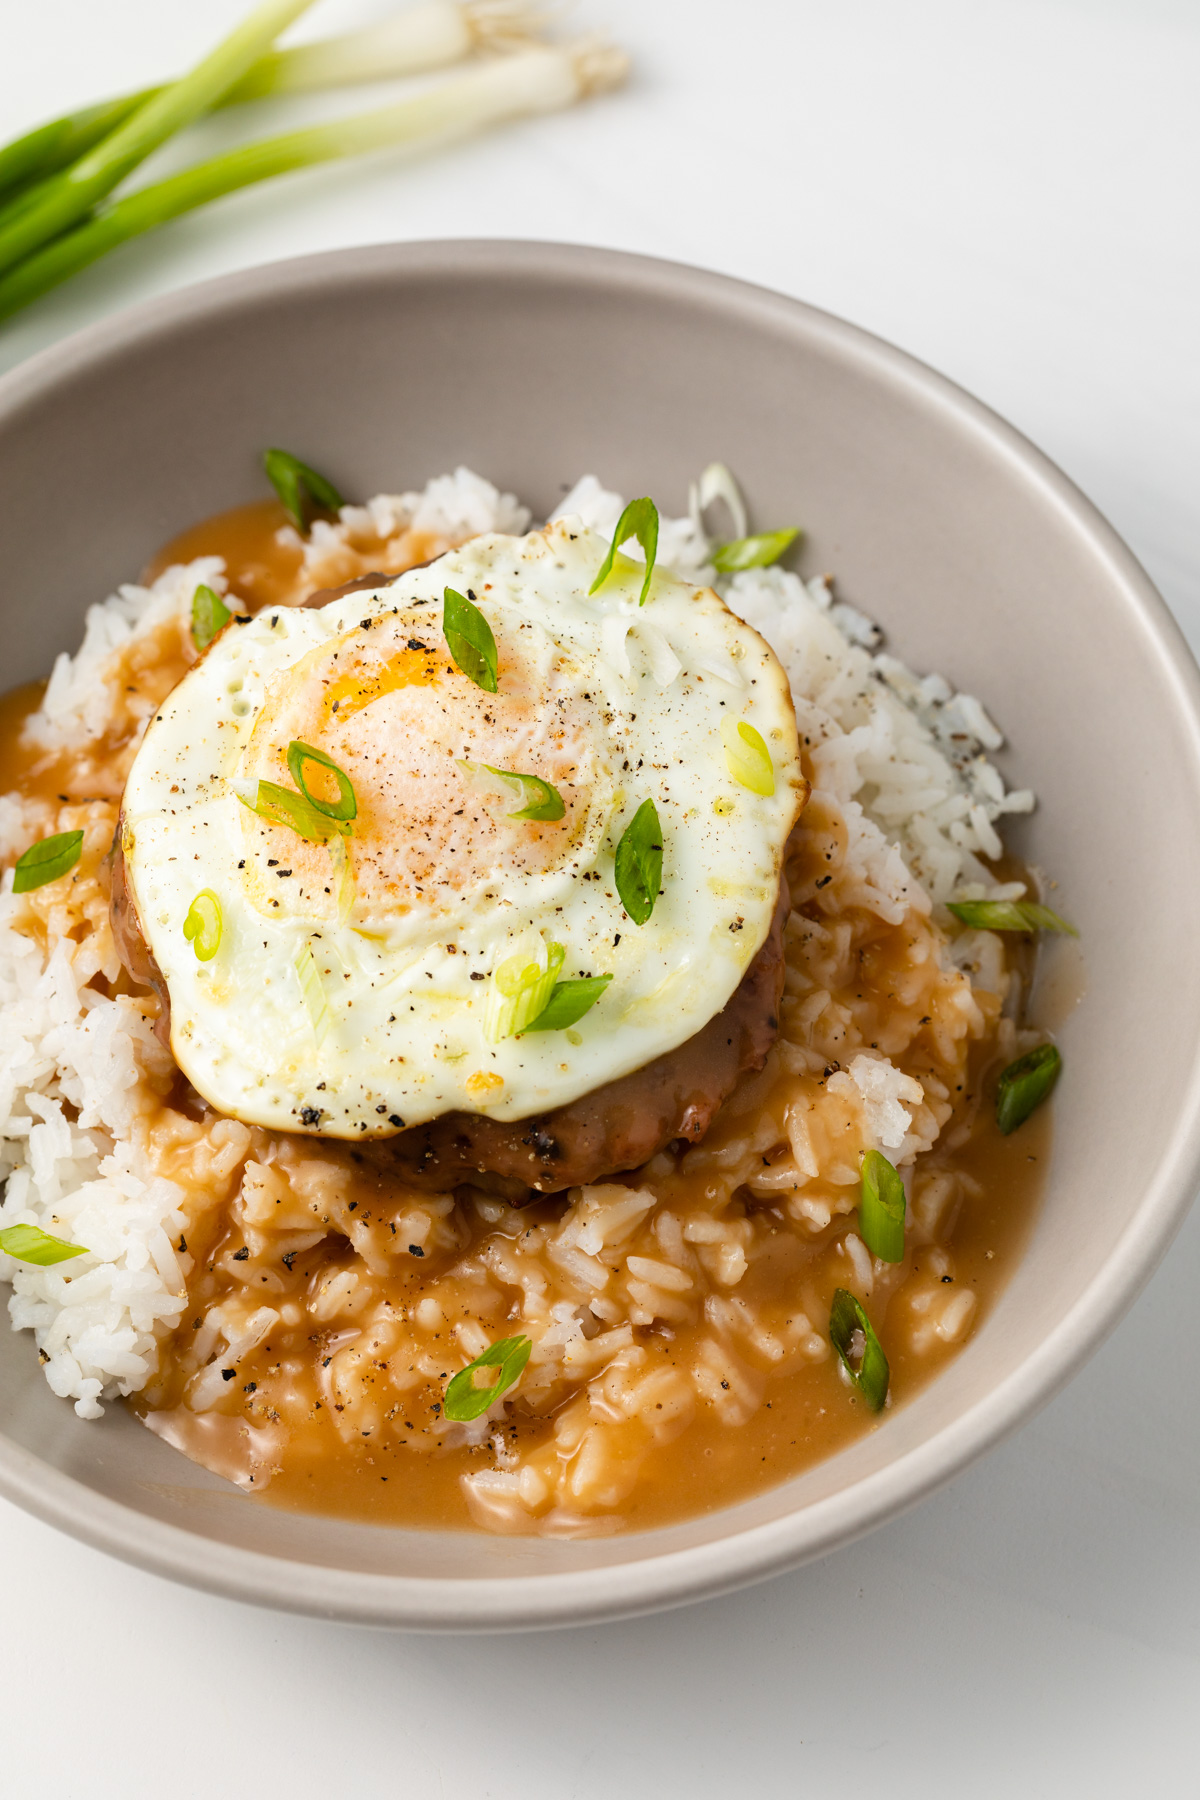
{"x":533,"y":364}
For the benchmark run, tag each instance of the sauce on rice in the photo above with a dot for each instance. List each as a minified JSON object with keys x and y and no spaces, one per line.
{"x":679,"y":1314}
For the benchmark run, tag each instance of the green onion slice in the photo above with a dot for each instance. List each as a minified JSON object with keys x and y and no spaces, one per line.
{"x":881,"y":1206}
{"x":281,"y":806}
{"x":568,"y":1002}
{"x":520,"y":990}
{"x":29,"y":1243}
{"x":640,"y":521}
{"x":1025,"y":1084}
{"x":469,"y":640}
{"x":542,"y":799}
{"x":46,"y":861}
{"x":345,"y":806}
{"x":846,"y":1316}
{"x":209,"y":616}
{"x":466,"y":1399}
{"x":746,"y":756}
{"x":344,"y":887}
{"x":639,"y":863}
{"x":204,"y":925}
{"x":301,"y":489}
{"x":313,"y":991}
{"x":754,"y":552}
{"x":1008,"y":915}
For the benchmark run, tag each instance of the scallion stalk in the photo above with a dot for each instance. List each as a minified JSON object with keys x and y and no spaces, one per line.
{"x":413,"y":42}
{"x":56,"y":145}
{"x":532,"y":81}
{"x":63,"y":199}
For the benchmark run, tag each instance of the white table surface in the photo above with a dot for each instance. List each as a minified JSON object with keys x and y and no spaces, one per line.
{"x":1009,"y":189}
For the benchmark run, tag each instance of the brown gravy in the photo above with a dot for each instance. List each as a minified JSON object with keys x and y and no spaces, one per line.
{"x":802,"y":1416}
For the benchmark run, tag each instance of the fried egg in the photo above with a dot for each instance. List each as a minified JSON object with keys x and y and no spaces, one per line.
{"x":358,"y":985}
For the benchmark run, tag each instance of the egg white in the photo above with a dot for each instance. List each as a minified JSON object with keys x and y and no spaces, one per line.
{"x":613,"y":702}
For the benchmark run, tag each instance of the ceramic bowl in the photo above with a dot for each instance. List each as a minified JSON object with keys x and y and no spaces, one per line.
{"x":533,"y":363}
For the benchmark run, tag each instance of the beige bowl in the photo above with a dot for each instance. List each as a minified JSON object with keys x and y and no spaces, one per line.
{"x":533,"y":363}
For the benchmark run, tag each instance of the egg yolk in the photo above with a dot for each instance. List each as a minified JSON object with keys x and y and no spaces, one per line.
{"x":413,"y":733}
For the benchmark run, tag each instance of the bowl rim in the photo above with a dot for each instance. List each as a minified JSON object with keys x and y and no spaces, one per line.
{"x":647,"y":1582}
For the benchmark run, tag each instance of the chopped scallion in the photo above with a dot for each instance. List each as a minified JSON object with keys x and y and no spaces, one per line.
{"x":467,"y":1398}
{"x":46,"y":861}
{"x":746,"y":756}
{"x":754,"y":552}
{"x":717,"y":483}
{"x":520,"y":990}
{"x":542,"y":799}
{"x":639,"y":863}
{"x":568,"y":1002}
{"x":640,"y":521}
{"x":871,"y":1375}
{"x":302,"y":491}
{"x":345,"y":807}
{"x":209,"y":616}
{"x":313,"y":992}
{"x":1024,"y":1085}
{"x":281,"y":806}
{"x":469,"y":640}
{"x":881,"y":1205}
{"x":343,"y":878}
{"x":204,"y":925}
{"x":29,"y":1243}
{"x":1008,"y":915}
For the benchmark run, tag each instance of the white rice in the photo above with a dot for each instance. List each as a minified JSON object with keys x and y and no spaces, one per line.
{"x":903,"y":758}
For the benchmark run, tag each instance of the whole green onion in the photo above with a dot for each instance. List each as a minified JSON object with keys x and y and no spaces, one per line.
{"x":881,"y":1207}
{"x":56,"y":145}
{"x":531,"y":81}
{"x":465,"y":1399}
{"x":63,"y":199}
{"x":411,"y":41}
{"x":871,"y":1377}
{"x":1024,"y":1085}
